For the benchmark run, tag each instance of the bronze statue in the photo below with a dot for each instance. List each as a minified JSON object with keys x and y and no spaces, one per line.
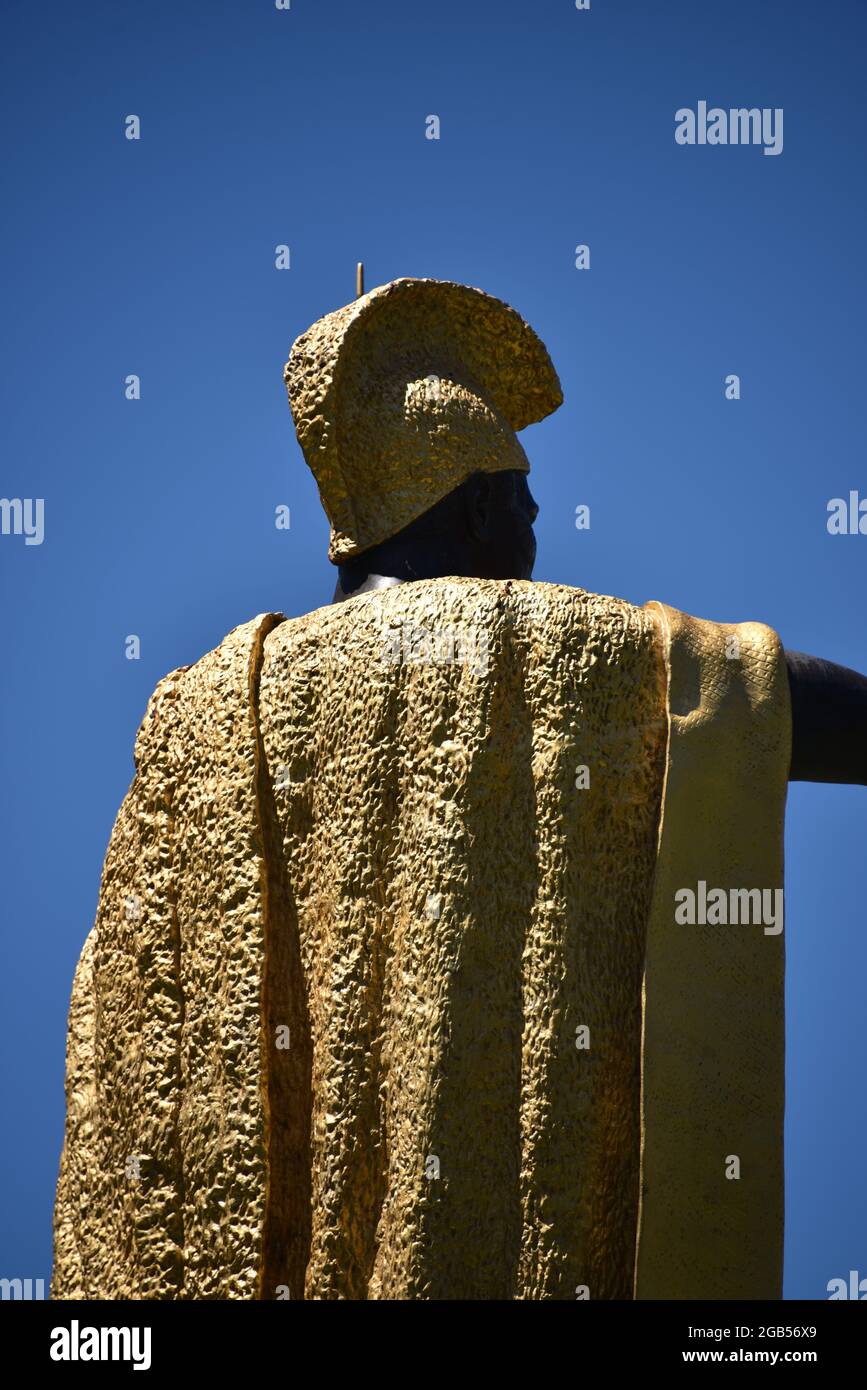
{"x":440,"y":942}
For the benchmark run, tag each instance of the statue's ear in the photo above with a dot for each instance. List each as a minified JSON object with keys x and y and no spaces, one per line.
{"x":478,"y":504}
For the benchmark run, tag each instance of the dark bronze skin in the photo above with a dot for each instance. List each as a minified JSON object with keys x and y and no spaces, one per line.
{"x":484,"y":530}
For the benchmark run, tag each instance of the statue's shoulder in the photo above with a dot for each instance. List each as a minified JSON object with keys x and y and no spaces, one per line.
{"x":407,"y":616}
{"x":223,"y":676}
{"x":582,"y":611}
{"x":461,"y":597}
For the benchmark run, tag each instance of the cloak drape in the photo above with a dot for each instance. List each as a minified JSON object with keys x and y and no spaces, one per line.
{"x":386,"y":996}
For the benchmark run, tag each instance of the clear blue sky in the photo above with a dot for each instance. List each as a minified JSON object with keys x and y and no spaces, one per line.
{"x":307,"y":127}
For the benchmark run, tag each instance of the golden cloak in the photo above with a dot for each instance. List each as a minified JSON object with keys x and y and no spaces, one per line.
{"x":386,"y":997}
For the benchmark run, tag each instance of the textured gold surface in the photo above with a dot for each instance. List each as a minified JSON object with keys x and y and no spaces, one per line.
{"x":461,"y":908}
{"x":164,"y":1070}
{"x":374,"y":907}
{"x":402,"y":394}
{"x":440,"y":909}
{"x":714,"y":1032}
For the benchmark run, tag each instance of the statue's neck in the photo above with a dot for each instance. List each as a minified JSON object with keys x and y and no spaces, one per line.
{"x":373,"y":581}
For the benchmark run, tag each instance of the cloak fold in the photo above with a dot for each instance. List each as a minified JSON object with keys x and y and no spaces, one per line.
{"x":713,"y":1049}
{"x":385,"y":996}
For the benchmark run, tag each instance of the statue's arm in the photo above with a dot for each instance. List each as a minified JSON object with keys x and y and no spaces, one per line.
{"x":829,"y":721}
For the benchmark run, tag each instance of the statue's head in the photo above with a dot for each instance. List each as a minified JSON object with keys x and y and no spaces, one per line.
{"x":483,"y":528}
{"x":407,"y":404}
